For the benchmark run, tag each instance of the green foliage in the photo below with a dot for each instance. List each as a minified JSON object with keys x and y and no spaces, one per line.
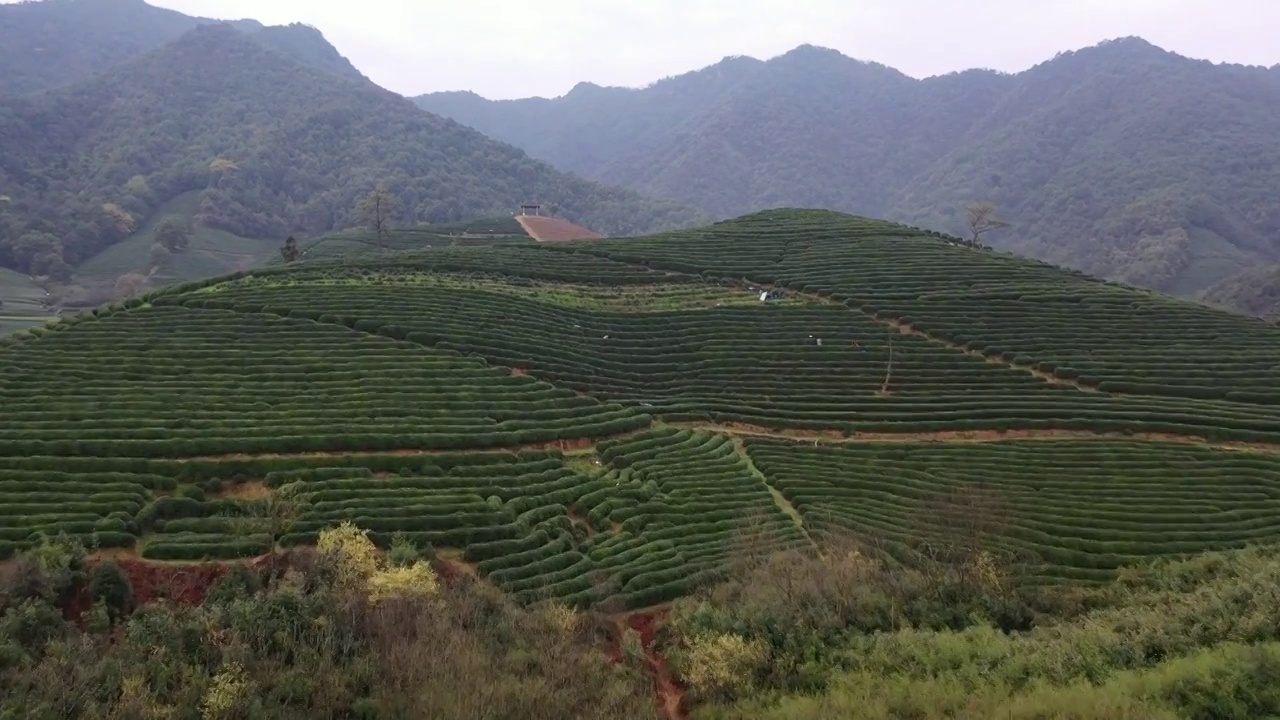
{"x":1202,"y":649}
{"x":402,"y":552}
{"x":295,"y":149}
{"x":109,"y":585}
{"x":1255,"y":291}
{"x":300,"y":646}
{"x":173,"y":235}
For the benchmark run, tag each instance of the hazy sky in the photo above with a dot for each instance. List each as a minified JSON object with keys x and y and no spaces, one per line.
{"x":505,"y":48}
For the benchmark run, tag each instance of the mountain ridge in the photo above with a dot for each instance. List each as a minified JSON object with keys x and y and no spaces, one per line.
{"x":1109,"y":158}
{"x":275,"y":144}
{"x":72,"y":41}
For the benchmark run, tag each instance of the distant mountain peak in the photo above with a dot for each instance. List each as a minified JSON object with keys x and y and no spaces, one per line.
{"x":811,"y":50}
{"x":584,"y":88}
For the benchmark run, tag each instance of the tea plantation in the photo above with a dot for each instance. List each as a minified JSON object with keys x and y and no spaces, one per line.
{"x":619,"y":418}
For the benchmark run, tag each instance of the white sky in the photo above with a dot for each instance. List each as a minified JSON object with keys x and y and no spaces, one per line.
{"x":505,"y":48}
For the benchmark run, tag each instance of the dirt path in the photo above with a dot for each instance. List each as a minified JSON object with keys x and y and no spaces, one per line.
{"x":908,"y":329}
{"x":544,"y":229}
{"x":778,"y":498}
{"x":837,"y":437}
{"x":669,"y":694}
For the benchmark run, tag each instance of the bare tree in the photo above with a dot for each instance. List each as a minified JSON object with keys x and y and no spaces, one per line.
{"x":272,"y":516}
{"x":981,"y":218}
{"x":375,"y":210}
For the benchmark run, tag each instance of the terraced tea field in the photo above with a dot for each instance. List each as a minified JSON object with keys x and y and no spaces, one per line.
{"x":620,"y":418}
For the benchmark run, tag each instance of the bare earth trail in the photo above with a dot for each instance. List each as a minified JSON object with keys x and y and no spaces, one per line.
{"x":837,"y":437}
{"x":908,"y":329}
{"x":544,"y":229}
{"x":670,"y":696}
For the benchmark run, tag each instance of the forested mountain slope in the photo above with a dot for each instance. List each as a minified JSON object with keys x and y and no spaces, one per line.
{"x":273,"y":145}
{"x":1255,"y":291}
{"x":58,"y":42}
{"x":1122,"y":159}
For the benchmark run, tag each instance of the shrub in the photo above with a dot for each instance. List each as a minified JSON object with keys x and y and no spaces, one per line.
{"x":723,"y":666}
{"x":352,"y":553}
{"x":109,"y":585}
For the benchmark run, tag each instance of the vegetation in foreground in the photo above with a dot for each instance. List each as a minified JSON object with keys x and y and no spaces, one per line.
{"x":335,"y":632}
{"x":799,"y":637}
{"x":343,"y":631}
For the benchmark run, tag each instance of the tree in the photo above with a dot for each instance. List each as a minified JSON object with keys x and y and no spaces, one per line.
{"x":375,"y":209}
{"x":158,"y":254}
{"x":981,"y":218}
{"x":174,"y":234}
{"x":109,"y":584}
{"x":130,"y":284}
{"x":290,"y":251}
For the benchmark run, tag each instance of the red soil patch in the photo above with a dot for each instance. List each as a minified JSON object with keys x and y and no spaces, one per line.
{"x":246,"y":491}
{"x":547,"y":228}
{"x":519,"y":371}
{"x":185,"y":583}
{"x":670,"y":695}
{"x":451,"y":570}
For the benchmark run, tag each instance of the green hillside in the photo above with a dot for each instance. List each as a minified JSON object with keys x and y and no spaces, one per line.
{"x":880,"y":333}
{"x":21,"y":302}
{"x":362,"y":242}
{"x":210,"y":251}
{"x":972,"y":443}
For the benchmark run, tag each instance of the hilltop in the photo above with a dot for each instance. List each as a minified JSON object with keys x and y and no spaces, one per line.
{"x":631,"y":350}
{"x":271,"y":145}
{"x":1092,"y":155}
{"x":977,"y":443}
{"x":53,"y":43}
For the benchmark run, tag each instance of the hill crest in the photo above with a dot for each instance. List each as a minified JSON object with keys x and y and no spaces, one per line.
{"x":296,"y":148}
{"x":835,"y":132}
{"x":55,"y":43}
{"x":622,"y":379}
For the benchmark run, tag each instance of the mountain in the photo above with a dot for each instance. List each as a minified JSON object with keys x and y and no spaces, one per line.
{"x":1122,"y":159}
{"x":273,"y":145}
{"x":58,"y":42}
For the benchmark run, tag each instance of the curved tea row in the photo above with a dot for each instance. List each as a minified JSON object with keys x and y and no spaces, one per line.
{"x":1064,"y":508}
{"x":170,"y":381}
{"x":1113,"y":337}
{"x":816,"y":366}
